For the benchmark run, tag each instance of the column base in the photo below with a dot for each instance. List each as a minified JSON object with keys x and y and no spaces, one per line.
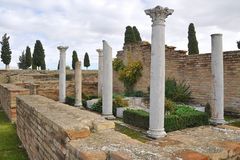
{"x":153,"y":133}
{"x":80,"y":106}
{"x":217,"y":121}
{"x":109,"y":116}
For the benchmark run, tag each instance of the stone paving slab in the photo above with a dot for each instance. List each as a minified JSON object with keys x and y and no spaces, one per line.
{"x":199,"y":143}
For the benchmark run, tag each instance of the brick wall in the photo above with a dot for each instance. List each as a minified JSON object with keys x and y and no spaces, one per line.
{"x":194,"y":69}
{"x":46,"y":127}
{"x":8,"y":93}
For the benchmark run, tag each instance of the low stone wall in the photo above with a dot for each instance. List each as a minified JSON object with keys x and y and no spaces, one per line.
{"x":45,"y":127}
{"x":8,"y":93}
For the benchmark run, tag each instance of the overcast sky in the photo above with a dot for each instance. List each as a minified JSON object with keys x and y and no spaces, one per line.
{"x":83,"y":24}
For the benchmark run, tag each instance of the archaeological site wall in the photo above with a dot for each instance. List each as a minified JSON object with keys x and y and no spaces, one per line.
{"x":194,"y":69}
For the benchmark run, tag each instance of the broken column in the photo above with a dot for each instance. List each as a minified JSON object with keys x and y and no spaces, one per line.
{"x":100,"y":71}
{"x":157,"y":82}
{"x":217,"y":80}
{"x":62,"y":73}
{"x":78,"y":84}
{"x":107,"y":81}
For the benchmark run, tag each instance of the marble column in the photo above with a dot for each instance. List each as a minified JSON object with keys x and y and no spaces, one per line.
{"x":100,"y":71}
{"x":217,"y":80}
{"x":107,"y":81}
{"x":78,"y":84}
{"x":62,"y":73}
{"x":157,"y":82}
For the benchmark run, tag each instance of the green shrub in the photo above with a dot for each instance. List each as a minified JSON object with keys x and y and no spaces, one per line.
{"x":119,"y":102}
{"x":70,"y":100}
{"x":177,"y":92}
{"x":118,"y":64}
{"x":183,"y":117}
{"x":97,"y":107}
{"x":170,"y":106}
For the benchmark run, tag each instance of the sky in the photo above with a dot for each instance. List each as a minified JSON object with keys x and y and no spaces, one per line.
{"x":82,"y":25}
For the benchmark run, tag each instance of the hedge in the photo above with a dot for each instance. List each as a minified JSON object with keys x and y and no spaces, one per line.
{"x":184,"y":117}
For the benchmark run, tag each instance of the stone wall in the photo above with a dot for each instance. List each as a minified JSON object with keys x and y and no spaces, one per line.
{"x":194,"y":69}
{"x":8,"y":93}
{"x":46,"y":127}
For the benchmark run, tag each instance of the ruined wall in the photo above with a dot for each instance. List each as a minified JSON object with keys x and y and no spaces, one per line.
{"x":194,"y":69}
{"x":8,"y":93}
{"x":46,"y":127}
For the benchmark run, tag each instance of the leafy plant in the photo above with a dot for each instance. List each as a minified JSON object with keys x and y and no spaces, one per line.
{"x":119,"y":102}
{"x":177,"y":92}
{"x":130,"y":75}
{"x":170,"y":106}
{"x":118,"y":64}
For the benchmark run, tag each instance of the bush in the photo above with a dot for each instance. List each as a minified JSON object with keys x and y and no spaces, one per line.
{"x":70,"y":100}
{"x":177,"y":92}
{"x":183,"y":117}
{"x":97,"y":107}
{"x":118,"y":64}
{"x":119,"y":102}
{"x":170,"y":106}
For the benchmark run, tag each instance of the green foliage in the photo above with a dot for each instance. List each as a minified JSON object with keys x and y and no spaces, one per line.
{"x":28,"y":57}
{"x":86,"y":60}
{"x":5,"y":51}
{"x":97,"y":107}
{"x":177,"y":92}
{"x":22,"y":61}
{"x":170,"y":106}
{"x":9,"y":141}
{"x":118,"y":64}
{"x":238,"y":44}
{"x":130,"y":75}
{"x":74,"y":59}
{"x":208,"y":109}
{"x":58,"y":65}
{"x":137,"y":34}
{"x":70,"y":100}
{"x":183,"y":117}
{"x":129,"y":36}
{"x":192,"y":40}
{"x":119,"y":102}
{"x":38,"y":59}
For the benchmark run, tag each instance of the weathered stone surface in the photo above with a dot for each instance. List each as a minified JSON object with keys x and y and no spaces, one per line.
{"x":82,"y":133}
{"x":97,"y":155}
{"x":192,"y":155}
{"x":120,"y":156}
{"x":103,"y":125}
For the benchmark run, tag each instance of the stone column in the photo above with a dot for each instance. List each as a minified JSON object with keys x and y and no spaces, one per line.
{"x":217,"y":80}
{"x":157,"y":82}
{"x":62,"y":73}
{"x":100,"y":71}
{"x":107,"y":81}
{"x":78,"y":84}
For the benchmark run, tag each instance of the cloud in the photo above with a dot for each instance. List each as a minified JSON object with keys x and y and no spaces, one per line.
{"x":82,"y":25}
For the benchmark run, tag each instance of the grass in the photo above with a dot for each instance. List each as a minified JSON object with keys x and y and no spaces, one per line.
{"x":229,"y":118}
{"x":9,"y":141}
{"x":131,"y":133}
{"x":236,"y":124}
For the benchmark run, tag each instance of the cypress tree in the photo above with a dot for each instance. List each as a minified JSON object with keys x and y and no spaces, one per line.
{"x":58,"y":65}
{"x":137,"y":34}
{"x":238,"y":44}
{"x":22,"y":61}
{"x":28,"y":57}
{"x":74,"y":59}
{"x":38,"y":59}
{"x":43,"y":66}
{"x":6,"y":51}
{"x":192,"y":40}
{"x":129,"y":36}
{"x":86,"y":60}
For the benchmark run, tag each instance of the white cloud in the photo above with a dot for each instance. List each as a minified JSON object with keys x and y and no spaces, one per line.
{"x":82,"y":25}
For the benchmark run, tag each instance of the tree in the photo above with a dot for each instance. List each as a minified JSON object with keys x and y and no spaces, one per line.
{"x":192,"y":40}
{"x":129,"y":36}
{"x":137,"y":34}
{"x":22,"y":61}
{"x":38,"y":59}
{"x":43,"y":66}
{"x":86,"y":60}
{"x":28,"y":57}
{"x":58,"y":65}
{"x":74,"y":59}
{"x":238,"y":44}
{"x":6,"y":51}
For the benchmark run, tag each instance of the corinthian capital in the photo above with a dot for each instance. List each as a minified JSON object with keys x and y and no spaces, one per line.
{"x":159,"y":14}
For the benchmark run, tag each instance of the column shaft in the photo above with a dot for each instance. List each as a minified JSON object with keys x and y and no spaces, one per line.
{"x":100,"y":72}
{"x":107,"y":80}
{"x":78,"y":84}
{"x":217,"y":80}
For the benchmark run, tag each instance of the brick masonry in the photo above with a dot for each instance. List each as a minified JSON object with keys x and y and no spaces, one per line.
{"x":45,"y":127}
{"x":194,"y":69}
{"x":8,"y":93}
